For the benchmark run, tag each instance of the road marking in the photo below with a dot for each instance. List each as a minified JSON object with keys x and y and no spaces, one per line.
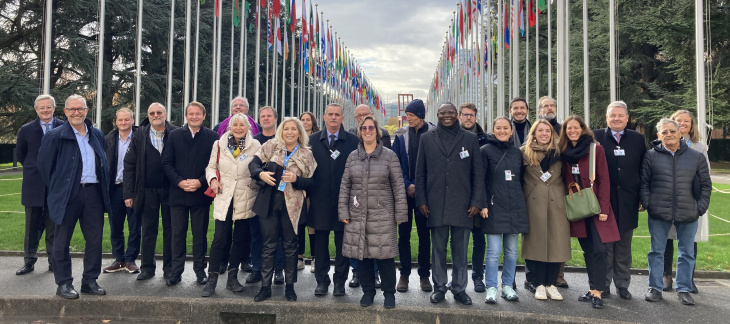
{"x":12,"y":194}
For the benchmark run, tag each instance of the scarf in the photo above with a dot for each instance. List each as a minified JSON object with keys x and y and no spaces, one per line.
{"x":236,"y":147}
{"x":546,"y":157}
{"x":573,"y":154}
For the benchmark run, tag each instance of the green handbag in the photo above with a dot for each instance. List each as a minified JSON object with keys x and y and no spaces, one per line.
{"x":583,"y":203}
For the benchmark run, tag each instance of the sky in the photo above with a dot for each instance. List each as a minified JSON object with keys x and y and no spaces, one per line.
{"x":397,"y":42}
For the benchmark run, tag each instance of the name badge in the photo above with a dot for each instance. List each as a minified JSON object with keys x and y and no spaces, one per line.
{"x":575,"y":170}
{"x":335,"y":154}
{"x":545,"y":176}
{"x":242,"y":157}
{"x":619,"y":152}
{"x":354,"y":201}
{"x":508,"y":175}
{"x":464,"y":153}
{"x":282,"y":184}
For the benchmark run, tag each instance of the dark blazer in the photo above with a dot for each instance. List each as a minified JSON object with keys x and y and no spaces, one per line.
{"x":110,"y":148}
{"x":448,"y":184}
{"x":327,"y":178}
{"x":504,"y":198}
{"x":186,"y":157}
{"x":27,"y":145}
{"x":625,"y":174}
{"x":59,"y":160}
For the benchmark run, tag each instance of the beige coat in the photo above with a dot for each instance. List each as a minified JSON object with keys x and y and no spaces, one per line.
{"x":548,"y":239}
{"x":235,"y":178}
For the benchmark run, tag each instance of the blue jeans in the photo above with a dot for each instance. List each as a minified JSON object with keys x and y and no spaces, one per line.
{"x":495,"y":243}
{"x":659,"y":229}
{"x":355,"y":264}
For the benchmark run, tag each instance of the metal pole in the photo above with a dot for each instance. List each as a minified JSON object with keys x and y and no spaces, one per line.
{"x":550,"y":48}
{"x":138,"y":63}
{"x":197,"y":42}
{"x":700,"y":71}
{"x":47,"y":43}
{"x":186,"y":91}
{"x":586,"y":85}
{"x":612,"y":47}
{"x":100,"y":63}
{"x":169,"y":60}
{"x":537,"y":58}
{"x":500,"y":66}
{"x":257,"y":68}
{"x":241,"y":53}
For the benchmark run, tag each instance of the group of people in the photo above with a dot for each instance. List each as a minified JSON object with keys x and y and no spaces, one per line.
{"x":272,"y":186}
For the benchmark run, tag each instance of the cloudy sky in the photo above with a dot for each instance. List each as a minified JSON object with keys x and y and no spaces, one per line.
{"x":397,"y":43}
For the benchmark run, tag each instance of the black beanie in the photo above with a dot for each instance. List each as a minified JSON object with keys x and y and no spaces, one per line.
{"x":417,"y":108}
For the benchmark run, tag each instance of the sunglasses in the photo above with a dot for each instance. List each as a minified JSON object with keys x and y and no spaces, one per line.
{"x":367,"y":128}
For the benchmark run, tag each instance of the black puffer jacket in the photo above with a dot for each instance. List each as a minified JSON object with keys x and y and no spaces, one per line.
{"x":667,"y":183}
{"x":505,"y":198}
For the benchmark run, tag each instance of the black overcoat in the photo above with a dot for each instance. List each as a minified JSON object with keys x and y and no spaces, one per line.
{"x":186,"y":157}
{"x":33,"y":192}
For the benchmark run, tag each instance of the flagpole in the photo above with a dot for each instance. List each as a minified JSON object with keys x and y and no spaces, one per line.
{"x":100,"y":63}
{"x":47,"y":44}
{"x":559,"y":61}
{"x":500,"y":67}
{"x":257,"y":67}
{"x":527,"y":54}
{"x":283,"y":74}
{"x":197,"y":42}
{"x":274,"y":62}
{"x":268,"y":34}
{"x":612,"y":47}
{"x":138,"y":63}
{"x":537,"y":53}
{"x":550,"y":50}
{"x":213,"y":71}
{"x":230,"y":66}
{"x":700,"y":71}
{"x":219,"y":39}
{"x":586,"y":85}
{"x":293,"y":23}
{"x":242,"y":50}
{"x":490,"y":66}
{"x":169,"y":60}
{"x":515,"y":49}
{"x":186,"y":83}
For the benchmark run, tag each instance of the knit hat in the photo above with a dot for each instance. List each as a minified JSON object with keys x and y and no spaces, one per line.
{"x":417,"y":108}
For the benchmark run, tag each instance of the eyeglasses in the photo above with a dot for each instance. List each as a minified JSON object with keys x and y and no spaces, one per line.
{"x":75,"y":110}
{"x":468,"y":115}
{"x":156,"y":113}
{"x":671,"y":131}
{"x":447,"y":113}
{"x":367,"y":128}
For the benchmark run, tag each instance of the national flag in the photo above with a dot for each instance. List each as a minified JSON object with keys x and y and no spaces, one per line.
{"x":277,"y":7}
{"x":305,"y":34}
{"x":236,"y":14}
{"x":479,"y":5}
{"x":540,"y":6}
{"x":522,"y":17}
{"x":293,"y":17}
{"x":277,"y":30}
{"x":531,"y":13}
{"x":269,"y":35}
{"x":263,"y":3}
{"x":202,"y":2}
{"x":461,"y":23}
{"x":217,"y":14}
{"x":506,"y":26}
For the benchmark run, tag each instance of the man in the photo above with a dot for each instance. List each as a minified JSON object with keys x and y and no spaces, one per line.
{"x":546,"y":109}
{"x":73,"y":165}
{"x":449,"y":194}
{"x":625,"y":150}
{"x":33,"y":192}
{"x":405,"y":146}
{"x":675,"y":189}
{"x":518,"y":109}
{"x":468,"y":121}
{"x":239,"y":105}
{"x":147,"y":190}
{"x":184,"y":160}
{"x":361,"y":112}
{"x":330,"y":148}
{"x":117,"y":143}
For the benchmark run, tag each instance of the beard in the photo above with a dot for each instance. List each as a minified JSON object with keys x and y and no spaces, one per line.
{"x":550,"y":116}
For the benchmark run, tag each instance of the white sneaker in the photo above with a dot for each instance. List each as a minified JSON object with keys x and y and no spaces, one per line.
{"x":300,"y":264}
{"x":311,"y":269}
{"x":553,"y":293}
{"x":540,"y":293}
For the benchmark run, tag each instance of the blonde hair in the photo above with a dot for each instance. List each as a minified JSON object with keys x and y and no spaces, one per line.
{"x":239,"y":118}
{"x":303,"y":137}
{"x":530,"y":154}
{"x":694,"y":135}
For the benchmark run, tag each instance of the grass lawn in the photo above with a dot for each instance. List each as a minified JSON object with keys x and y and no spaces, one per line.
{"x":713,"y":255}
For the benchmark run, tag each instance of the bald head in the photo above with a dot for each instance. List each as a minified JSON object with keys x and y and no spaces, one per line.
{"x":361,"y":112}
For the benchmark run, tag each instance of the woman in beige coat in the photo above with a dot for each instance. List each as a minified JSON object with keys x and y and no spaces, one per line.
{"x":234,"y":197}
{"x":547,"y":244}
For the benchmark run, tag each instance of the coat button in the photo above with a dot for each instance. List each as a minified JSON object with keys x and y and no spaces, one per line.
{"x":619,"y":169}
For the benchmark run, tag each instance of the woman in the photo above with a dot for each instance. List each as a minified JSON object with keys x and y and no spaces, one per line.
{"x":593,"y":232}
{"x":691,"y":136}
{"x":506,"y":214}
{"x":234,"y":198}
{"x":547,"y":243}
{"x":372,"y":204}
{"x":311,"y":127}
{"x":289,"y":167}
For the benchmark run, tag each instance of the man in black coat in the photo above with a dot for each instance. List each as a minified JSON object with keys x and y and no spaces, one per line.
{"x":519,"y":111}
{"x":146,"y":189}
{"x":184,"y":160}
{"x":625,"y":151}
{"x":449,"y":192}
{"x":33,"y":192}
{"x":330,"y":148}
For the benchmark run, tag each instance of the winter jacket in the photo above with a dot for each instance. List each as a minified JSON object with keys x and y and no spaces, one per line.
{"x":111,"y":150}
{"x":400,"y":147}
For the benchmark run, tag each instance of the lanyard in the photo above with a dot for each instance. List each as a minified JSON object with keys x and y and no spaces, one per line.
{"x":286,"y":157}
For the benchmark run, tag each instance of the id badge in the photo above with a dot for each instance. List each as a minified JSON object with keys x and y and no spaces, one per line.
{"x":335,"y":154}
{"x":463,"y":154}
{"x":242,"y":157}
{"x":354,"y":201}
{"x":282,"y":184}
{"x":619,"y":152}
{"x":575,"y":170}
{"x":545,"y":176}
{"x":508,"y":175}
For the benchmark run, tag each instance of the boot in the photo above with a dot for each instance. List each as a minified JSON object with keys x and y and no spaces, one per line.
{"x":233,"y":283}
{"x":264,"y":294}
{"x":209,"y":288}
{"x":289,"y":293}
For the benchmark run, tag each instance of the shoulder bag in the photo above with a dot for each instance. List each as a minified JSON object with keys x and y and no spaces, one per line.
{"x":583,"y":203}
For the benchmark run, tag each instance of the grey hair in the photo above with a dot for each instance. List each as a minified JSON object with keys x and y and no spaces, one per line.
{"x":242,"y":98}
{"x":157,"y":104}
{"x":239,"y":118}
{"x":665,"y":121}
{"x":75,"y":97}
{"x":44,"y":97}
{"x":619,"y":104}
{"x":334,"y":104}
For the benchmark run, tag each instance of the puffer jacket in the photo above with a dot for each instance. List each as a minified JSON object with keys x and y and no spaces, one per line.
{"x":505,"y":198}
{"x":375,"y":182}
{"x":667,"y":182}
{"x":235,"y":178}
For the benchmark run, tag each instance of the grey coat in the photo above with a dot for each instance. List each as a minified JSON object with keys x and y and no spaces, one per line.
{"x":373,"y":180}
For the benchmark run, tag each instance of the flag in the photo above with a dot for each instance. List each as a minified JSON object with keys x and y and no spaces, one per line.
{"x":461,"y":23}
{"x":522,"y":17}
{"x":277,"y":7}
{"x":479,"y":5}
{"x":269,"y":35}
{"x":263,"y":3}
{"x":202,"y":2}
{"x":540,"y":6}
{"x":506,"y":26}
{"x":293,"y":17}
{"x":236,"y":14}
{"x":531,"y":13}
{"x":305,"y":36}
{"x":217,"y":14}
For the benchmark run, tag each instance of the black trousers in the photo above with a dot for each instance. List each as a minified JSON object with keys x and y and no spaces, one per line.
{"x":156,"y":206}
{"x":245,"y":246}
{"x":198,"y":217}
{"x":478,"y":253}
{"x":366,"y":273}
{"x":322,"y":264}
{"x":669,"y":257}
{"x":277,"y":227}
{"x":424,"y":242}
{"x":37,"y":220}
{"x":228,"y":239}
{"x":543,"y":273}
{"x":86,"y":208}
{"x":301,"y":239}
{"x":596,"y":256}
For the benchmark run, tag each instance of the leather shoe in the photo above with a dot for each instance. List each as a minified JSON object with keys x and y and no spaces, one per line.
{"x":201,"y":277}
{"x":144,"y":275}
{"x":624,"y":293}
{"x":561,"y":283}
{"x":355,"y":282}
{"x":321,"y":289}
{"x":597,"y":302}
{"x":26,"y":269}
{"x":653,"y":295}
{"x":264,"y":294}
{"x":339,"y":289}
{"x":606,"y":294}
{"x":254,"y":277}
{"x":587,"y":297}
{"x":479,"y":286}
{"x":247,"y":267}
{"x":529,"y":286}
{"x":67,"y":291}
{"x":402,"y":284}
{"x":437,"y":296}
{"x":686,"y":298}
{"x":173,"y":280}
{"x":426,"y":284}
{"x":463,"y":298}
{"x":367,"y":300}
{"x":92,"y":289}
{"x":278,"y":276}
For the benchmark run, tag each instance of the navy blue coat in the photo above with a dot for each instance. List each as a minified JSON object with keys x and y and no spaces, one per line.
{"x":27,"y":145}
{"x":186,"y":157}
{"x":58,"y":162}
{"x":400,"y":147}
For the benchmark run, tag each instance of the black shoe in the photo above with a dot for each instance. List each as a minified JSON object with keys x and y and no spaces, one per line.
{"x":479,"y":285}
{"x":377,"y":283}
{"x":209,"y":288}
{"x":144,"y":275}
{"x":289,"y":293}
{"x":173,"y":280}
{"x":264,"y":294}
{"x":586,"y":297}
{"x":597,"y":302}
{"x":92,"y":289}
{"x":223,"y":269}
{"x":201,"y":278}
{"x":67,"y":291}
{"x":624,"y":293}
{"x":321,"y":289}
{"x":232,"y":284}
{"x":367,"y":300}
{"x":339,"y":289}
{"x":694,"y":287}
{"x":437,"y":296}
{"x":653,"y":295}
{"x":26,"y":269}
{"x":606,"y":294}
{"x":529,"y":286}
{"x":389,"y":300}
{"x":463,"y":298}
{"x":686,"y":298}
{"x":355,"y":282}
{"x":254,"y":277}
{"x":247,"y":267}
{"x":166,"y":275}
{"x":278,"y":276}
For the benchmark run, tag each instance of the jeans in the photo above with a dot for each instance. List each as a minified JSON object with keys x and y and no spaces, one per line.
{"x":355,"y":264}
{"x":118,"y":214}
{"x":659,"y":229}
{"x":495,"y":243}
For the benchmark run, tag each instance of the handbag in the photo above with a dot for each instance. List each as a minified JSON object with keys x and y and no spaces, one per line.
{"x":209,"y":192}
{"x":583,"y":203}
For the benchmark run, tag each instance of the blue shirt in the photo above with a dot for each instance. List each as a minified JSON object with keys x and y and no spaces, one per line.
{"x":88,"y":158}
{"x":329,"y":139}
{"x":122,"y":147}
{"x":46,"y":126}
{"x":614,"y":133}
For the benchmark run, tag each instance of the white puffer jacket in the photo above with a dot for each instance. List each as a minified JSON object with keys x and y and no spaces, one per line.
{"x":235,"y":178}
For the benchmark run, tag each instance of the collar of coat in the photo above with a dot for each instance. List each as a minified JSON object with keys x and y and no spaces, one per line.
{"x":67,"y":131}
{"x":659,"y":147}
{"x":362,"y":155}
{"x":324,"y":137}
